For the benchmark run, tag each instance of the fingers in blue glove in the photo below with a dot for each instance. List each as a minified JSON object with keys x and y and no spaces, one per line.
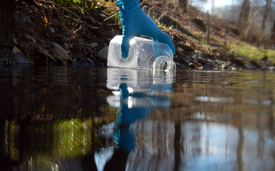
{"x":147,"y":27}
{"x":125,"y":46}
{"x":135,"y":22}
{"x":165,"y":38}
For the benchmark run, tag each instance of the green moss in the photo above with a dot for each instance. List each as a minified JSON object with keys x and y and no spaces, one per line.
{"x":252,"y":52}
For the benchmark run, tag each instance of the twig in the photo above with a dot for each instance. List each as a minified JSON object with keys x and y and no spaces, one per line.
{"x":77,"y":29}
{"x":23,"y":49}
{"x":115,"y":24}
{"x":78,"y":21}
{"x":110,"y":17}
{"x":161,"y":16}
{"x":174,"y":8}
{"x":51,"y":2}
{"x":67,"y":17}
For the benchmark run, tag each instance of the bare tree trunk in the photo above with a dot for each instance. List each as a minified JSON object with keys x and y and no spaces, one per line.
{"x":6,"y":26}
{"x":183,"y":5}
{"x":273,"y":29}
{"x":266,"y":11}
{"x":207,"y":29}
{"x":273,"y":33}
{"x":243,"y":20}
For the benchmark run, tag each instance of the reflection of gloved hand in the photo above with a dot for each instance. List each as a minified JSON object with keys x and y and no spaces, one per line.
{"x":135,"y":22}
{"x":123,"y":135}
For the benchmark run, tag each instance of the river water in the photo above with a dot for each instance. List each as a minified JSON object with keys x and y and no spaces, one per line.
{"x":82,"y":118}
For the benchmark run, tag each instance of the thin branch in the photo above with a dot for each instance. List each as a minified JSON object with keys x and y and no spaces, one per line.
{"x":161,"y":16}
{"x":78,"y":21}
{"x":51,"y":2}
{"x":110,"y":17}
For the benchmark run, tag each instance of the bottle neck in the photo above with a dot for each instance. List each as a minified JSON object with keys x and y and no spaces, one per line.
{"x":164,"y":63}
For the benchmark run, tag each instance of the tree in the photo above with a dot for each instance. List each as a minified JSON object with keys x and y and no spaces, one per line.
{"x":243,"y":20}
{"x":273,"y":32}
{"x":266,"y":12}
{"x":7,"y":8}
{"x":183,"y":5}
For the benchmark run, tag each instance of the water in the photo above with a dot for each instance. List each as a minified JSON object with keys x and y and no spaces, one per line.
{"x":63,"y":118}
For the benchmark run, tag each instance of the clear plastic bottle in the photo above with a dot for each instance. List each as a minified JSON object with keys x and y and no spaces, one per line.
{"x":143,"y":54}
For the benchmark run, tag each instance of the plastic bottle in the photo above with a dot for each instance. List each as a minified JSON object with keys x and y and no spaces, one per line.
{"x":143,"y":54}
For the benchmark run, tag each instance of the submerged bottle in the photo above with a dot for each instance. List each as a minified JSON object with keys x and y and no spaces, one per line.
{"x":143,"y":54}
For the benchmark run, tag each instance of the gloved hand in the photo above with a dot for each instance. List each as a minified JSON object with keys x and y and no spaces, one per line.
{"x":135,"y":22}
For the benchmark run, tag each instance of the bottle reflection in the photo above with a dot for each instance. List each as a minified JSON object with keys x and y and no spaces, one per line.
{"x":124,"y":136}
{"x":132,"y":107}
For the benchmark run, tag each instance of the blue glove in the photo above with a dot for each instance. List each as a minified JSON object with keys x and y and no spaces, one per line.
{"x":135,"y":22}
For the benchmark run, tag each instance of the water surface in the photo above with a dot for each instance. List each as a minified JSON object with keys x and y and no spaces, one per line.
{"x":75,"y":118}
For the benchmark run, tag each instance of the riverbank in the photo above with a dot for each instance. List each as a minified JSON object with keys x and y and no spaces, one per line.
{"x":47,"y":33}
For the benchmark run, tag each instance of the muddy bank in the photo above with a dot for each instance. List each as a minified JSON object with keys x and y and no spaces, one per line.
{"x":46,"y":33}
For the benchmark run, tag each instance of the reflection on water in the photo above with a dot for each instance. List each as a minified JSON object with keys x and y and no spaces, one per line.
{"x":133,"y":107}
{"x":66,"y":118}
